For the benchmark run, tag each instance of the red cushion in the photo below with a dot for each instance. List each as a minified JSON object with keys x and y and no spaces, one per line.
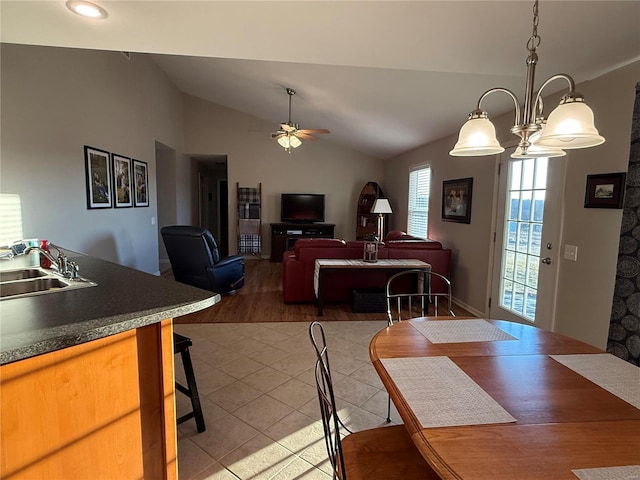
{"x":319,"y":243}
{"x":415,"y":244}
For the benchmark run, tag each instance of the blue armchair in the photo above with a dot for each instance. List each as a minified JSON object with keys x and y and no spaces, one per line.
{"x":195,"y":260}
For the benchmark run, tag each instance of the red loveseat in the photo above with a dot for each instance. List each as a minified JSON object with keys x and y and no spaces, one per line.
{"x":298,"y":265}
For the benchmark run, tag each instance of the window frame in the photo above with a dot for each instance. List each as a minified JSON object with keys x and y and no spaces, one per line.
{"x":412,"y":200}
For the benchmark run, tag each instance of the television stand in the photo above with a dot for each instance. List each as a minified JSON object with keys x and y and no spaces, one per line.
{"x":284,"y":235}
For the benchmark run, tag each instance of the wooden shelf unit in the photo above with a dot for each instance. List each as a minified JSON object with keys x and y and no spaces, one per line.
{"x":249,"y":220}
{"x":367,"y":222}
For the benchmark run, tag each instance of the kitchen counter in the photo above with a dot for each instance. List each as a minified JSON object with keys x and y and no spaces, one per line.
{"x":87,"y":375}
{"x":124,"y":299}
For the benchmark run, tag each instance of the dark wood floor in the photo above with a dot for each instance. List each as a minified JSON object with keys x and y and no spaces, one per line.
{"x":260,"y":300}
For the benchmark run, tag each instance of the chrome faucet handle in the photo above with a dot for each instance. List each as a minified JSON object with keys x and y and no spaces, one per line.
{"x":73,"y":269}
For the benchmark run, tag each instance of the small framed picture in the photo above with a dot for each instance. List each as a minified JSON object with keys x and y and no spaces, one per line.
{"x":98,"y":177}
{"x":121,"y":181}
{"x":141,"y":184}
{"x":605,"y":190}
{"x":456,"y":200}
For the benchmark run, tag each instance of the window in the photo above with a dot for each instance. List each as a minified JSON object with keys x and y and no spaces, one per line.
{"x":419,"y":188}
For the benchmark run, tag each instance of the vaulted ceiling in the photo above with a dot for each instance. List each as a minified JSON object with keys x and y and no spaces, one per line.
{"x":384,"y":76}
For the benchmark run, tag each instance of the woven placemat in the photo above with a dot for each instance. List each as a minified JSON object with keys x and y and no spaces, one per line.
{"x":441,"y":394}
{"x":460,"y":331}
{"x":630,"y":472}
{"x":607,"y":371}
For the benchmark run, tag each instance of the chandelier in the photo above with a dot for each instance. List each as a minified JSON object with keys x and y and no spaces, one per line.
{"x":569,"y":126}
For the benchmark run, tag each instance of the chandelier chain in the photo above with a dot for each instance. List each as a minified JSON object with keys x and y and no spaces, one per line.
{"x":534,"y":40}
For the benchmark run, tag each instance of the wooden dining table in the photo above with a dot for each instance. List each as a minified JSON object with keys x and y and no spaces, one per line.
{"x":492,"y":399}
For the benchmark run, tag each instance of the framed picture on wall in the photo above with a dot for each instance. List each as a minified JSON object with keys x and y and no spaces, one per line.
{"x":121,"y":181}
{"x":605,"y":190}
{"x":141,"y":184}
{"x":97,"y":177}
{"x":456,"y":200}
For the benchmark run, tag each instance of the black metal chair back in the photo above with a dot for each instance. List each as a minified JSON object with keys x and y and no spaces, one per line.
{"x":331,"y":422}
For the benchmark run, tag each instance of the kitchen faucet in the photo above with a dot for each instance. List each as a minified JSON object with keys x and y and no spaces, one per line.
{"x":62,"y":264}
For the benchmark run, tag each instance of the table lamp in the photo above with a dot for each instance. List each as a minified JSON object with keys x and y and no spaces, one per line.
{"x":381,"y":206}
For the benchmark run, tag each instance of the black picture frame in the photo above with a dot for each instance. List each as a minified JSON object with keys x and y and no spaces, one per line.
{"x":121,"y":168}
{"x":456,"y":200}
{"x":140,"y":183}
{"x":605,"y":190}
{"x":97,"y":177}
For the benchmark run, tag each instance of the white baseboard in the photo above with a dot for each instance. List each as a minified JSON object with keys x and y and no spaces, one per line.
{"x":477,"y":313}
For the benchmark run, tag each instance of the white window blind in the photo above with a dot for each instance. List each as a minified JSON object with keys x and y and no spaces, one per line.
{"x":419,"y":188}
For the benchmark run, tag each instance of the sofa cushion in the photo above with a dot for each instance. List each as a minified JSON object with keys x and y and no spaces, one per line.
{"x":399,"y":235}
{"x":318,"y":243}
{"x":414,"y":244}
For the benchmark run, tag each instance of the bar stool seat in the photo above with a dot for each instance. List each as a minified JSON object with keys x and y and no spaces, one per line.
{"x":181,"y":345}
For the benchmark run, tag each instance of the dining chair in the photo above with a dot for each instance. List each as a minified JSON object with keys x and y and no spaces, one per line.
{"x":382,"y":453}
{"x":409,"y":294}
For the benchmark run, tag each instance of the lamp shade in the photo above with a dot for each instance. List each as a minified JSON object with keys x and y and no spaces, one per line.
{"x":570,"y":125}
{"x":381,"y":205}
{"x":477,"y":137}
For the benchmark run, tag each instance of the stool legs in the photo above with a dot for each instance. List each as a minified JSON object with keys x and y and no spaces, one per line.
{"x":191,"y":391}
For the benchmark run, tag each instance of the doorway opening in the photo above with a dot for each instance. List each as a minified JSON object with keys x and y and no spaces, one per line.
{"x":213,"y":198}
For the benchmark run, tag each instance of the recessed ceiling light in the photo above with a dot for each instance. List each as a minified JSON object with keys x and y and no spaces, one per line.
{"x":86,"y":9}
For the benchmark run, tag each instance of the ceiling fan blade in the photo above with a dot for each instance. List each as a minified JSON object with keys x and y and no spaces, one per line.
{"x":287,"y":128}
{"x":314,"y":130}
{"x":276,"y":135}
{"x":303,"y":135}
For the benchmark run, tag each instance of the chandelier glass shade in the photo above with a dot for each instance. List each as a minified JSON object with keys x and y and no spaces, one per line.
{"x":570,"y":125}
{"x":289,"y":141}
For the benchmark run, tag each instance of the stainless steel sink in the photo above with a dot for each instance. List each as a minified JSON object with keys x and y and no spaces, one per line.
{"x":22,"y":274}
{"x":37,"y":281}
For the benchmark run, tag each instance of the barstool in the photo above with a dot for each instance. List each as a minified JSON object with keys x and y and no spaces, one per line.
{"x":181,"y":345}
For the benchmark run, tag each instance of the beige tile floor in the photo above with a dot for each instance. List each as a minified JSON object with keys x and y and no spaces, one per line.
{"x":260,"y":404}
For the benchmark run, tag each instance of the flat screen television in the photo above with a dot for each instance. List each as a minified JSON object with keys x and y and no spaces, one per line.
{"x":302,"y":207}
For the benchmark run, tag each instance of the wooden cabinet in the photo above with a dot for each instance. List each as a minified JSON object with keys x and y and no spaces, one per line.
{"x":101,"y":409}
{"x":367,"y":222}
{"x":284,"y":235}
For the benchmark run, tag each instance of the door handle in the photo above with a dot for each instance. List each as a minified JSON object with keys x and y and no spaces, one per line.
{"x":546,"y":260}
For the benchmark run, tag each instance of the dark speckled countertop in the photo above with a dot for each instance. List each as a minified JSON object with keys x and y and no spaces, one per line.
{"x":123,"y":299}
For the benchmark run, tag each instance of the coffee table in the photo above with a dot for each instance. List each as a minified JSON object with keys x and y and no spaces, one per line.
{"x":391,"y":266}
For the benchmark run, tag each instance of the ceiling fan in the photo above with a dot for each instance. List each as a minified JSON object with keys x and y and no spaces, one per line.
{"x":289,"y":136}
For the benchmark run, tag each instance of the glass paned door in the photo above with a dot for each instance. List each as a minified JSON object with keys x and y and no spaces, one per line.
{"x":527,"y":226}
{"x":523,"y":233}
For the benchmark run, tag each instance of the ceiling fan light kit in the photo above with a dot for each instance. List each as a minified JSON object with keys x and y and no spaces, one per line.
{"x":570,"y":125}
{"x":290,"y":134}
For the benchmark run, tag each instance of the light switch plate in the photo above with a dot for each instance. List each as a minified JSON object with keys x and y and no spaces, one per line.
{"x":571,"y":252}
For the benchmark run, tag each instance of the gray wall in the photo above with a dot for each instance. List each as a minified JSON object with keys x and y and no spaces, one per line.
{"x":54,"y":101}
{"x":315,"y":167}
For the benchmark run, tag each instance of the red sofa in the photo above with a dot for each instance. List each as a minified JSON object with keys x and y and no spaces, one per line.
{"x":298,"y":265}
